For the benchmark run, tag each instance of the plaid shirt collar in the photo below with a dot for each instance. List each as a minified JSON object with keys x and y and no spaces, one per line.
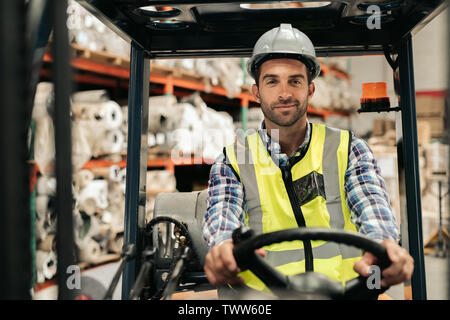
{"x":274,"y":148}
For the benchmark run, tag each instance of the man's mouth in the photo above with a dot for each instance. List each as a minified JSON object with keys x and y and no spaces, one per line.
{"x":285,"y":106}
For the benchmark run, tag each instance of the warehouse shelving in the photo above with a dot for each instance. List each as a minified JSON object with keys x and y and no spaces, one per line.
{"x":165,"y":162}
{"x":102,"y":69}
{"x":158,"y":162}
{"x":94,"y":68}
{"x":105,"y":69}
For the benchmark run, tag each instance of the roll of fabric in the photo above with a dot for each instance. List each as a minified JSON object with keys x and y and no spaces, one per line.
{"x":94,"y":196}
{"x":106,"y":217}
{"x":44,"y":145}
{"x":46,"y":264}
{"x":90,"y":96}
{"x":41,"y":232}
{"x":151,"y":140}
{"x":46,"y":186}
{"x":123,"y":179}
{"x":164,"y":114}
{"x":81,"y":111}
{"x":114,"y":173}
{"x":114,"y":214}
{"x":187,"y":137}
{"x":89,"y":251}
{"x":124,"y":125}
{"x":87,"y":205}
{"x":115,"y":244}
{"x":112,"y":115}
{"x":42,"y":206}
{"x":83,"y":177}
{"x":108,"y":114}
{"x":113,"y":141}
{"x":115,"y":194}
{"x":81,"y":148}
{"x":48,"y":243}
{"x":45,"y":216}
{"x":161,"y":180}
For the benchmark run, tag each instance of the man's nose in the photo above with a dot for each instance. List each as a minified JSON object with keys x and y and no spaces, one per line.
{"x":285,"y":93}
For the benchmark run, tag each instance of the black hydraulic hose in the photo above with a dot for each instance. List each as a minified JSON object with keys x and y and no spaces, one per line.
{"x":184,"y":231}
{"x":63,"y":147}
{"x":174,"y":274}
{"x":155,"y":221}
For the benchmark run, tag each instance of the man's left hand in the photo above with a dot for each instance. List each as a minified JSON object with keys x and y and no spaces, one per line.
{"x":399,"y":271}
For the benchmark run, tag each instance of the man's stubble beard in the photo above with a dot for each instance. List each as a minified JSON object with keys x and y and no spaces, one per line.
{"x":300,"y":110}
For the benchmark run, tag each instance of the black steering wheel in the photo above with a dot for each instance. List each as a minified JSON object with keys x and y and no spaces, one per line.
{"x":308,"y":284}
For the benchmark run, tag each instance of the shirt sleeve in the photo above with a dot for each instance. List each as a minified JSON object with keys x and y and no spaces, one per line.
{"x":366,"y":194}
{"x":225,"y":204}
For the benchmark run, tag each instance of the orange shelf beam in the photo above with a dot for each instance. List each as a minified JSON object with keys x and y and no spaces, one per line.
{"x":86,"y":65}
{"x":167,"y":163}
{"x":91,"y":79}
{"x":168,"y":81}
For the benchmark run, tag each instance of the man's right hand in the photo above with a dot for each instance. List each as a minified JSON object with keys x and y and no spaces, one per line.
{"x":221,"y":267}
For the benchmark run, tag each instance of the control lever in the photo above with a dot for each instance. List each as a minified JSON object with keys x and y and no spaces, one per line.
{"x":128,"y":253}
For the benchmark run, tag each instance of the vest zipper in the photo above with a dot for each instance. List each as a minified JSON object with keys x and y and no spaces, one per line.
{"x":287,"y":178}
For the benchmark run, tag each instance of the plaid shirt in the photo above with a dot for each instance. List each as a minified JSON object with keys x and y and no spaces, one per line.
{"x":365,"y":192}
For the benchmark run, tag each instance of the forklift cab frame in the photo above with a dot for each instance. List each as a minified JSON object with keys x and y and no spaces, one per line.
{"x":209,"y":28}
{"x":224,"y":28}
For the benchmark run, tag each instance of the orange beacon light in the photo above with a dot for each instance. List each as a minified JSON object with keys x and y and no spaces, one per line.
{"x":374,"y":97}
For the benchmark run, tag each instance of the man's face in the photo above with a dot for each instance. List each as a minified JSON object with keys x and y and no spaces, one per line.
{"x":283,"y":91}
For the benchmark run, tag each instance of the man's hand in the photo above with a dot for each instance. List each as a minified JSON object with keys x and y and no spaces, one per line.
{"x":221,"y":267}
{"x":399,"y":271}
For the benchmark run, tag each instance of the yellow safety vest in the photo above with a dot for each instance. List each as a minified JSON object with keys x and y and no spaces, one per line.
{"x":307,"y":193}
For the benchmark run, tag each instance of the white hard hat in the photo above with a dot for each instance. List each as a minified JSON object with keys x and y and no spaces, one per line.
{"x":284,"y":42}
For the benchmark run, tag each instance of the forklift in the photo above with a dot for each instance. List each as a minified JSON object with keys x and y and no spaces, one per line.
{"x":166,"y":254}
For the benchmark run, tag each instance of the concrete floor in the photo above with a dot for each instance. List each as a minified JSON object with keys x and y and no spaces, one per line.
{"x":436,"y":269}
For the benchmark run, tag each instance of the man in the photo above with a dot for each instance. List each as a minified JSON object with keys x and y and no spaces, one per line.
{"x":292,"y":173}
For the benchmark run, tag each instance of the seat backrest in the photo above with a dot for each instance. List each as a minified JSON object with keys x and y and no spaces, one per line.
{"x":188,"y":208}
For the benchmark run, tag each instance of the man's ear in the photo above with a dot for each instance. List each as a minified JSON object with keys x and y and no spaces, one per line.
{"x":311,"y":90}
{"x":255,"y":92}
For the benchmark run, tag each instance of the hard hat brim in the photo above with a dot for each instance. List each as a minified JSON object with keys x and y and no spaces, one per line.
{"x":310,"y":62}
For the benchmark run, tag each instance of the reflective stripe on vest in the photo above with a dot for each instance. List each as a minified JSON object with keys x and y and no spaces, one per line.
{"x":322,"y":169}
